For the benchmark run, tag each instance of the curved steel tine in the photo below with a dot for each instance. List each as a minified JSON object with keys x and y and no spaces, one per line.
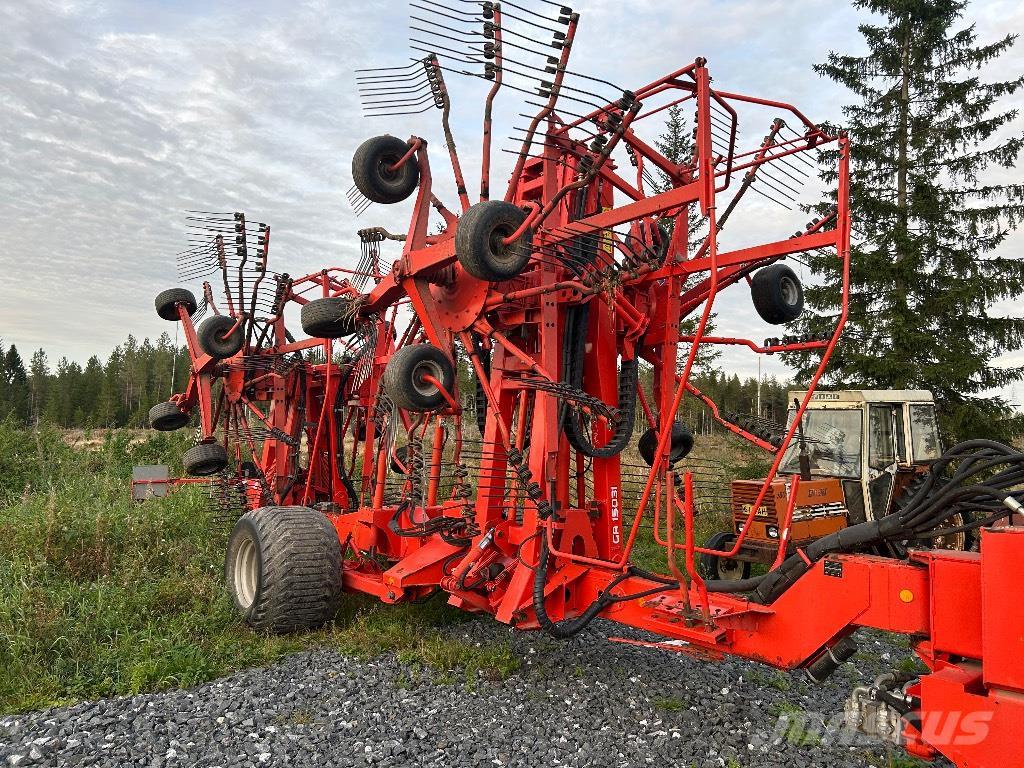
{"x":387,"y":78}
{"x":466,"y":57}
{"x":399,"y":102}
{"x":470,"y":20}
{"x":384,"y":69}
{"x":534,"y":13}
{"x":435,"y":31}
{"x":397,"y":114}
{"x":396,"y":88}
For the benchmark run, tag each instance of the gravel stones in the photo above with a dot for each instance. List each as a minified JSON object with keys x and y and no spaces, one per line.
{"x":583,"y":702}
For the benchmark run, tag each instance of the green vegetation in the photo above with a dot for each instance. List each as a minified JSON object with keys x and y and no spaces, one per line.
{"x":117,"y":393}
{"x":100,"y":596}
{"x":670,"y":703}
{"x":770,"y":678}
{"x":926,"y":277}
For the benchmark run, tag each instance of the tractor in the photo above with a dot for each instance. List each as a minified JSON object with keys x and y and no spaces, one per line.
{"x":858,"y":455}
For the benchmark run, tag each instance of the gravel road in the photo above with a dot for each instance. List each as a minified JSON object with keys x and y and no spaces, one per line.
{"x":586,"y":702}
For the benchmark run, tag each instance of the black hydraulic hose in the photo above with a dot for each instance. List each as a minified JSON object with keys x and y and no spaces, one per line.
{"x":570,"y":627}
{"x":480,"y":398}
{"x":924,"y":514}
{"x":339,"y":457}
{"x":577,"y":321}
{"x":293,"y":455}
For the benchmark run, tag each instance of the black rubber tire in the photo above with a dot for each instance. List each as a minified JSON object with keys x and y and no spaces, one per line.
{"x":478,"y":241}
{"x":777,"y":294}
{"x":167,"y":417}
{"x":291,"y":558}
{"x":403,"y":383}
{"x":401,"y":454}
{"x":211,"y":337}
{"x":370,"y":171}
{"x":204,"y":459}
{"x":167,"y":303}
{"x":680,"y":444}
{"x":329,"y":318}
{"x":721,"y":568}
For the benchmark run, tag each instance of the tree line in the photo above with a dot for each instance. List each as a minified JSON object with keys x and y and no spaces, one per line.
{"x":137,"y":375}
{"x":115,"y":393}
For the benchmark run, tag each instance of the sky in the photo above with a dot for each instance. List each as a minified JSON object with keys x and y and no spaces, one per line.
{"x":117,"y":117}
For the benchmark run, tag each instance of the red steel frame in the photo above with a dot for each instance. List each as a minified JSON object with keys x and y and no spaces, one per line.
{"x":961,"y":621}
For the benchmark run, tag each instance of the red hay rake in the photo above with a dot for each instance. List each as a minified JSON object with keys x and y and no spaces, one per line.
{"x":515,"y":498}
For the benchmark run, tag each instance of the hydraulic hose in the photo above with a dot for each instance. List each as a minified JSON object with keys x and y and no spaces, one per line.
{"x":997,"y":471}
{"x":577,"y":321}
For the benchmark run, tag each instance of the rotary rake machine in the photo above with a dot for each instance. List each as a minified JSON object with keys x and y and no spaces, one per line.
{"x":455,"y":421}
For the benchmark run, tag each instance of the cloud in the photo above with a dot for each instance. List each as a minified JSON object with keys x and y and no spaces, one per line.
{"x":116,"y":117}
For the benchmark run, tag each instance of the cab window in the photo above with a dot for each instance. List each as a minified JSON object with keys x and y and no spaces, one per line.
{"x":833,"y":442}
{"x":924,"y":433}
{"x":881,"y":441}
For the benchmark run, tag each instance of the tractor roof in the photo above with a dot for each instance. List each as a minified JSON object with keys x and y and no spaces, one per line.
{"x":822,"y":397}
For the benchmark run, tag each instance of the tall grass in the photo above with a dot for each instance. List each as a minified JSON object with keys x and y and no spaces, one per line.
{"x":103,"y":596}
{"x":99,"y":595}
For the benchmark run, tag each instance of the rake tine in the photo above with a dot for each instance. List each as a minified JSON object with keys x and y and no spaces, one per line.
{"x":393,"y":89}
{"x":465,"y":19}
{"x":398,"y":102}
{"x":386,"y":69}
{"x":754,"y":187}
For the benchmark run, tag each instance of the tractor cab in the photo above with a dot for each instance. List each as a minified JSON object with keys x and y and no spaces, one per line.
{"x":875,"y":442}
{"x":862,"y":450}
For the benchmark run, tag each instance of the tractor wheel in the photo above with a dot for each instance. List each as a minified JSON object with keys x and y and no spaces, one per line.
{"x":478,"y":241}
{"x":723,"y":568}
{"x":167,"y":303}
{"x":400,"y":460}
{"x":961,"y":541}
{"x":214,"y":340}
{"x":167,"y":417}
{"x":371,"y":174}
{"x":777,"y":293}
{"x":283,"y":568}
{"x":403,"y":378}
{"x":330,"y":318}
{"x":204,"y":459}
{"x":681,"y":443}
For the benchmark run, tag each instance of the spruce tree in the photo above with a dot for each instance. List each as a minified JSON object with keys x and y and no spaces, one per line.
{"x":925,"y":270}
{"x":3,"y":383}
{"x":17,"y":385}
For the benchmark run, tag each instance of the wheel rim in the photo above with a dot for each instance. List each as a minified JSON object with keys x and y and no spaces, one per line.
{"x":502,"y":253}
{"x":956,"y":541}
{"x":729,"y":570}
{"x":246,"y":573}
{"x":419,"y":383}
{"x":790,"y":292}
{"x":384,"y":167}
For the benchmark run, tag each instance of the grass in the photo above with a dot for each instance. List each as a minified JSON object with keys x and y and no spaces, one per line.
{"x":100,"y":596}
{"x":731,"y":460}
{"x":670,"y":704}
{"x":780,"y":681}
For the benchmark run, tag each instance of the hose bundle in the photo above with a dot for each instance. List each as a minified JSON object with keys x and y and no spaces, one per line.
{"x":972,"y":485}
{"x":576,"y":323}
